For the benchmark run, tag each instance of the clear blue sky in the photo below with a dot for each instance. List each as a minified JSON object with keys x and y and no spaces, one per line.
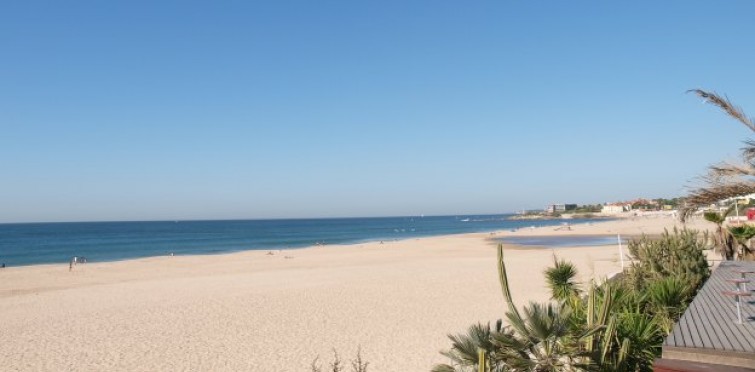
{"x":144,"y":110}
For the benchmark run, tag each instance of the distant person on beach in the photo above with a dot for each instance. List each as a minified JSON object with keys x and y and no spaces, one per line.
{"x":564,"y":226}
{"x":3,"y":266}
{"x":70,"y":265}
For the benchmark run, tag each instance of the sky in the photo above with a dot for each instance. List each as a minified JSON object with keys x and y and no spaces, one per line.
{"x":156,"y":110}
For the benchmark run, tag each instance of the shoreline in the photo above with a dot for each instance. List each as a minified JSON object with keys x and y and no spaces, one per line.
{"x":187,"y":261}
{"x":214,"y":252}
{"x":253,"y":311}
{"x":339,"y":245}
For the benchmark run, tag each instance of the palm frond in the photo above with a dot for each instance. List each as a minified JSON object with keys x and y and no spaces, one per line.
{"x":560,"y":279}
{"x":716,"y":192}
{"x":748,"y":152}
{"x":726,"y":105}
{"x":444,"y":368}
{"x":464,"y":347}
{"x":728,"y":170}
{"x":716,"y":217}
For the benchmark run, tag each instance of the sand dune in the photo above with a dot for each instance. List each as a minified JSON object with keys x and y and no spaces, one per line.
{"x":251,"y":311}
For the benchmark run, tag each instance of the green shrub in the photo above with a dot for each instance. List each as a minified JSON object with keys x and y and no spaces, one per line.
{"x":679,"y":254}
{"x":560,"y":279}
{"x":618,"y":326}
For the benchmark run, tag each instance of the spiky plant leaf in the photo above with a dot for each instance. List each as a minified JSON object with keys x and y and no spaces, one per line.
{"x":504,"y":280}
{"x":561,"y":280}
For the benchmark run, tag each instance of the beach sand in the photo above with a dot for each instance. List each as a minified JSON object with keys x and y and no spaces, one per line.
{"x":251,"y":311}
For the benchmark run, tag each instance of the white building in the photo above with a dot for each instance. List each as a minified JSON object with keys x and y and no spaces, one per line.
{"x":614,"y":208}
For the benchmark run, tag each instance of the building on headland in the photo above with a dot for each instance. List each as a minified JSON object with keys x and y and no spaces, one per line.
{"x":616,"y":208}
{"x":560,"y":208}
{"x":640,"y":205}
{"x":555,"y":208}
{"x":613,"y":208}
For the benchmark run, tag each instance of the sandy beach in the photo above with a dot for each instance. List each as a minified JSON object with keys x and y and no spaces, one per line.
{"x":254,"y":311}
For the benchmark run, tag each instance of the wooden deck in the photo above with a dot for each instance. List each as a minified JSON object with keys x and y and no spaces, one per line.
{"x":708,"y":331}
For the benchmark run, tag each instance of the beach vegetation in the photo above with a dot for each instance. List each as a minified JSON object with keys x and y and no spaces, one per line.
{"x":743,"y":235}
{"x":723,"y":240}
{"x":616,"y":325}
{"x":560,"y":279}
{"x":588,"y":208}
{"x":731,"y":242}
{"x":465,"y":348}
{"x":358,"y":364}
{"x":679,"y":254}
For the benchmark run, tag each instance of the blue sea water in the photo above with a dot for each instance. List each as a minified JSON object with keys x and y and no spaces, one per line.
{"x":39,"y":243}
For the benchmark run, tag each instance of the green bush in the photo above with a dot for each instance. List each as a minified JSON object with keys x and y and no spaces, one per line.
{"x":679,"y":254}
{"x":617,"y":326}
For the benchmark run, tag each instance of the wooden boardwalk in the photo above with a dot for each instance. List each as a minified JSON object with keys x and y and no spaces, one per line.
{"x":708,"y":332}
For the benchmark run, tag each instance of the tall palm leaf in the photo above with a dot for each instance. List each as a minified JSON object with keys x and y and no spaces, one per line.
{"x":724,"y":180}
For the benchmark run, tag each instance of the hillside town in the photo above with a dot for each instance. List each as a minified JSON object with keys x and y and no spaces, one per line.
{"x":609,"y":209}
{"x":733,"y":209}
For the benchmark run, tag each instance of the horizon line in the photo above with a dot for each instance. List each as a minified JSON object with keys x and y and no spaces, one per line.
{"x":259,"y":219}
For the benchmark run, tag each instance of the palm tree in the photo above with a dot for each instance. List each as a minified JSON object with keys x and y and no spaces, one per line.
{"x":725,"y":180}
{"x":618,"y":325}
{"x":560,"y":279}
{"x":464,"y":352}
{"x":613,"y":327}
{"x":571,"y":334}
{"x":541,"y":341}
{"x":641,"y":338}
{"x":742,"y":235}
{"x":666,"y":298}
{"x":723,"y":240}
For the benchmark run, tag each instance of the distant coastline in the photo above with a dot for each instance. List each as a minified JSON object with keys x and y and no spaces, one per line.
{"x":567,"y":216}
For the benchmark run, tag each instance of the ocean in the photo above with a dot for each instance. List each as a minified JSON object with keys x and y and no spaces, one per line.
{"x":42,"y":243}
